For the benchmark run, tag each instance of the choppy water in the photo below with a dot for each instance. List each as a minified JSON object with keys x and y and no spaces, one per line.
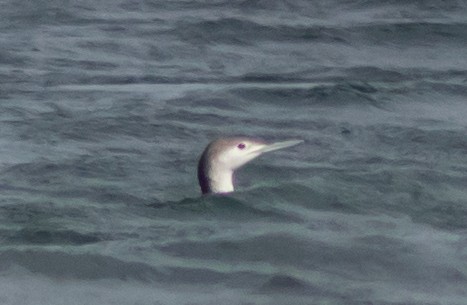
{"x":106,"y":106}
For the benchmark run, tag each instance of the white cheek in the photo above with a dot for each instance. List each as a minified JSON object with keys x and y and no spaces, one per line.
{"x":227,"y":157}
{"x":232,"y":159}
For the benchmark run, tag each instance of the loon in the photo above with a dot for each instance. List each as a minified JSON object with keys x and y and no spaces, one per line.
{"x":223,"y":156}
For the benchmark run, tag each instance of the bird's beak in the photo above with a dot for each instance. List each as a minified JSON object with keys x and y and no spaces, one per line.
{"x":278,"y":145}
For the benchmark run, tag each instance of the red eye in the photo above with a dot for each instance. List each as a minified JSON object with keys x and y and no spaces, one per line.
{"x":241,"y":146}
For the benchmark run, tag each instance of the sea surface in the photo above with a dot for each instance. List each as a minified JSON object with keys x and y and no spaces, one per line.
{"x":106,"y":106}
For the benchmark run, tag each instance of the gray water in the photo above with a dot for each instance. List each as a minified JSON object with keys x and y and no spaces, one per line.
{"x":105,"y":107}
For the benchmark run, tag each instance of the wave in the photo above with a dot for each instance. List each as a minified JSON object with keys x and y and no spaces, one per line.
{"x":237,"y":31}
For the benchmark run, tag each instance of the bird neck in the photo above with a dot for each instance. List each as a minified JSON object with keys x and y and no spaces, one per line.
{"x":214,"y":176}
{"x":221,"y":181}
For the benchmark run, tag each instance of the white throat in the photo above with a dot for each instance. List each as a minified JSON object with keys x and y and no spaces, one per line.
{"x":221,"y":180}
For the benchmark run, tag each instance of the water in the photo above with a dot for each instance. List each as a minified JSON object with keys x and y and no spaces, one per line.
{"x":106,"y":106}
